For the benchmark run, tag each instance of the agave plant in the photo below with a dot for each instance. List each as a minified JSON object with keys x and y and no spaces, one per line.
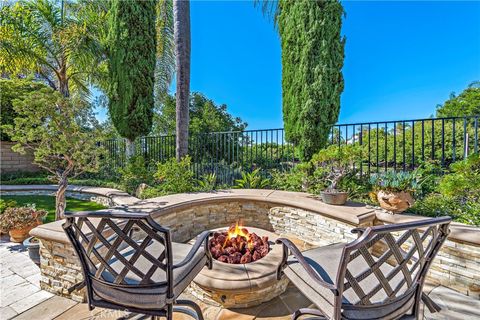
{"x":396,"y":181}
{"x":252,"y":180}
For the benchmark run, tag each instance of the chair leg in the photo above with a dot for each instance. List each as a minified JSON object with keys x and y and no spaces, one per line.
{"x":430,"y":304}
{"x":169,"y":312}
{"x":193,"y":311}
{"x":300,"y":312}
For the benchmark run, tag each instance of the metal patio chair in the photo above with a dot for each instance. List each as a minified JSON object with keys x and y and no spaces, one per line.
{"x":130,"y":263}
{"x":380,"y":275}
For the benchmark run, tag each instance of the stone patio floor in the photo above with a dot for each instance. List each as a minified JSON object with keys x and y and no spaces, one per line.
{"x":22,"y":298}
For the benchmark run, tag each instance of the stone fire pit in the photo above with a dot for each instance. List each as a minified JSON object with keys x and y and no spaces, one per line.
{"x":242,"y":285}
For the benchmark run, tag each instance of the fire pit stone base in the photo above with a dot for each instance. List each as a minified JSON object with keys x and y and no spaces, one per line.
{"x":242,"y":285}
{"x":234,"y":299}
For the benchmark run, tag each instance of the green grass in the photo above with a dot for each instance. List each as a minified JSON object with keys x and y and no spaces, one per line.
{"x":48,"y":203}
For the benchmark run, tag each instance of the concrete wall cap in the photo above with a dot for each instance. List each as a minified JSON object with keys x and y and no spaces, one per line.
{"x":352,"y":213}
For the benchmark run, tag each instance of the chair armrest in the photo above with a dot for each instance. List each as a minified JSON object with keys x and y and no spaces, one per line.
{"x":202,"y":239}
{"x":288,"y":245}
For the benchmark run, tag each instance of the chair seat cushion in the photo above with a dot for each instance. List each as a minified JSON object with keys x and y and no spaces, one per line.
{"x":149,"y":295}
{"x":325,"y":261}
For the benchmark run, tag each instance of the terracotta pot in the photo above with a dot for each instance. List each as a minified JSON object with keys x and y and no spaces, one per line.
{"x":18,"y":235}
{"x":336,"y":198}
{"x":395,"y":202}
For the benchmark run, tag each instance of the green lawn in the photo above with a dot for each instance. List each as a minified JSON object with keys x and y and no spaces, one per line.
{"x":48,"y":203}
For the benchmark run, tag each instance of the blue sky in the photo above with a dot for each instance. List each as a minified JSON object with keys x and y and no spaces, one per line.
{"x":402,"y":58}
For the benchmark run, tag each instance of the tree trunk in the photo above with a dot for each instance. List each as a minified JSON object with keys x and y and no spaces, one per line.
{"x":63,"y":80}
{"x":129,"y":148}
{"x":60,"y":202}
{"x":181,"y":16}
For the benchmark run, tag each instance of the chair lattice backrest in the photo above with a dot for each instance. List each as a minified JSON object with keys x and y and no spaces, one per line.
{"x":387,"y":263}
{"x":112,"y":247}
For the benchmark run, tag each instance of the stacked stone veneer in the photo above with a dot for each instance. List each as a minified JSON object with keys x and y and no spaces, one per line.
{"x":456,"y":266}
{"x":60,"y":269}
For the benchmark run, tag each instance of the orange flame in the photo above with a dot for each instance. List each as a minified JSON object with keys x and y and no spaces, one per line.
{"x":238,"y":230}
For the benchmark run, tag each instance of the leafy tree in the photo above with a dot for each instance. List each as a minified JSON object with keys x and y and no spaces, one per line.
{"x":181,"y":16}
{"x":59,"y":42}
{"x":466,"y":103}
{"x":10,"y":90}
{"x":61,"y":132}
{"x":312,"y":59}
{"x":132,"y":60}
{"x":205,"y":116}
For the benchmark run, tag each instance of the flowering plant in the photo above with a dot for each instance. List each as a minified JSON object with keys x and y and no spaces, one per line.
{"x":20,"y":217}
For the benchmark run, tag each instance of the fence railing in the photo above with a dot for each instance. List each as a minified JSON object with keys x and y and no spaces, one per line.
{"x":387,"y":145}
{"x":404,"y":144}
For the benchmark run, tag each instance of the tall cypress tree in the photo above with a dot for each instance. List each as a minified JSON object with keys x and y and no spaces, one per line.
{"x":312,"y":59}
{"x":132,"y":45}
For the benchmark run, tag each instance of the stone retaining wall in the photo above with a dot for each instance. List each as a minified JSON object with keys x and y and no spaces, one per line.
{"x":456,"y":266}
{"x":60,"y":270}
{"x":14,"y":161}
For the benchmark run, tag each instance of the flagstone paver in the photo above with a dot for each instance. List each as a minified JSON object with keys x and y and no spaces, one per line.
{"x":22,"y":298}
{"x":48,"y":309}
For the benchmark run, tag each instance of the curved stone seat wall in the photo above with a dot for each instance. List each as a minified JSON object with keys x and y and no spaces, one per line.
{"x":308,"y":226}
{"x":285,"y":213}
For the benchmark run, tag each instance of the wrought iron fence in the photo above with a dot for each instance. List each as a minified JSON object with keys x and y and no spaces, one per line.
{"x":226,"y":154}
{"x":404,"y":144}
{"x":387,"y":145}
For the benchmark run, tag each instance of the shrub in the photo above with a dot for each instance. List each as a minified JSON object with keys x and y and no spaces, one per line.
{"x":430,"y":172}
{"x":151,"y":192}
{"x":21,"y":217}
{"x":208,"y":182}
{"x":24,"y":181}
{"x":358,"y":188}
{"x":134,"y":173}
{"x":5,"y":204}
{"x":435,"y":205}
{"x":296,"y":179}
{"x":252,"y":180}
{"x":175,"y":176}
{"x":463,"y":182}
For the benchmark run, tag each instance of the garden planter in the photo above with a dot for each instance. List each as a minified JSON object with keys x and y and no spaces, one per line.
{"x":395,"y":202}
{"x":18,"y":235}
{"x":334,"y":197}
{"x":33,"y":247}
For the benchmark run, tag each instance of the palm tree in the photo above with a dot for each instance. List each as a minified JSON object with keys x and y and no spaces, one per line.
{"x":59,"y":43}
{"x":181,"y":16}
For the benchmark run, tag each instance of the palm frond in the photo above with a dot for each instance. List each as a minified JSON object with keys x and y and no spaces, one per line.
{"x":270,"y":9}
{"x":165,"y":65}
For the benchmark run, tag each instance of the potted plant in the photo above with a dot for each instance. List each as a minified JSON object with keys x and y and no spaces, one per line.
{"x":334,"y":163}
{"x":4,"y":204}
{"x":395,"y":190}
{"x":20,"y":220}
